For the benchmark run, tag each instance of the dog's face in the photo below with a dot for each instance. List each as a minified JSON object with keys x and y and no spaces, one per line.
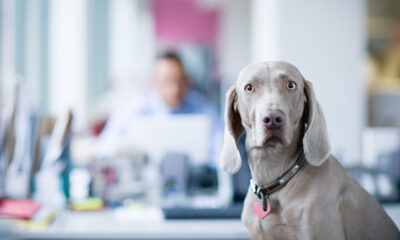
{"x":270,"y":101}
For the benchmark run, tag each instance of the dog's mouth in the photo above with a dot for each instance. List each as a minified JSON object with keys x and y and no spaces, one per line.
{"x":273,"y":140}
{"x":274,"y":136}
{"x":270,"y":137}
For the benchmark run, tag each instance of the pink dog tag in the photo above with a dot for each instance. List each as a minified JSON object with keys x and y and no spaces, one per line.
{"x":258,"y":209}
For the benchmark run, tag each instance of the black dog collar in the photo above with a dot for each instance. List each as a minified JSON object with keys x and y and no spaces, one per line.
{"x":264,"y":192}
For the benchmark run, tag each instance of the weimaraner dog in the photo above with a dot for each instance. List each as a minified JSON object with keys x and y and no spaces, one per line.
{"x":298,"y":189}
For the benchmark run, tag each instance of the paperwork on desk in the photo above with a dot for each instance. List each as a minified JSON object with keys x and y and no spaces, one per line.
{"x":25,"y":214}
{"x":18,"y":135}
{"x":138,"y":212}
{"x":40,"y":220}
{"x":48,"y":181}
{"x":18,"y":142}
{"x":4,"y":119}
{"x":18,"y":208}
{"x":57,"y":140}
{"x":89,"y":204}
{"x":21,"y":132}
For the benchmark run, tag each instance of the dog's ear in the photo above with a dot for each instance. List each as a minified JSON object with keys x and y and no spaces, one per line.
{"x":230,"y":160}
{"x":315,"y":141}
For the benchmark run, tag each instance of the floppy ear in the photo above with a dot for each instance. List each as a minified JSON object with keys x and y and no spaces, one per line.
{"x":315,"y":141}
{"x":230,"y":160}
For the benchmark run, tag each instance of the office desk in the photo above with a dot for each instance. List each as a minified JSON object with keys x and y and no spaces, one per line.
{"x":102,"y":225}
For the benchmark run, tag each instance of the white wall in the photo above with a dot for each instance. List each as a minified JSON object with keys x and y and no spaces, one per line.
{"x":121,"y":38}
{"x":32,"y":60}
{"x":233,"y":45}
{"x":265,"y":30}
{"x":7,"y":59}
{"x":131,"y":50}
{"x":132,"y":41}
{"x":326,"y":40}
{"x":68,"y":60}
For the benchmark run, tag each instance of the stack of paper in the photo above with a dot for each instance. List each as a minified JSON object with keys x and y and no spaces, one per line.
{"x":25,"y":213}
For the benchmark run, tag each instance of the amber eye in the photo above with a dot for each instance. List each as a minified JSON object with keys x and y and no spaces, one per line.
{"x":249,"y":88}
{"x":291,"y":86}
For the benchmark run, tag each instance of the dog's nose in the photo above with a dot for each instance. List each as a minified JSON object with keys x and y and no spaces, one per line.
{"x":273,"y":120}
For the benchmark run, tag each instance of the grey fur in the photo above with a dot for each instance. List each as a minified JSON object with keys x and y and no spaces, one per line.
{"x":322,"y":201}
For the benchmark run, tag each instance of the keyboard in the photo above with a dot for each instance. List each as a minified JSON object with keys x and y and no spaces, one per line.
{"x":232,"y":212}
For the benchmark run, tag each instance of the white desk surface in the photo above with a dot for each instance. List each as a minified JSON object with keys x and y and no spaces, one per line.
{"x":102,"y":225}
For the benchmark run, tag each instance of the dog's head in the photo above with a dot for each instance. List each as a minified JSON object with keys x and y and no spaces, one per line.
{"x":270,"y":101}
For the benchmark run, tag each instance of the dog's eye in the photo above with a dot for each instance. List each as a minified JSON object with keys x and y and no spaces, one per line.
{"x":291,"y":86}
{"x":249,"y":88}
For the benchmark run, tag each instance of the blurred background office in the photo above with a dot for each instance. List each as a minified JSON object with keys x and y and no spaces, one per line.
{"x":67,"y":66}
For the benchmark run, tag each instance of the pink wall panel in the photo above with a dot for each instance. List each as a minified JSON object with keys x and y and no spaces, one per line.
{"x":185,"y":21}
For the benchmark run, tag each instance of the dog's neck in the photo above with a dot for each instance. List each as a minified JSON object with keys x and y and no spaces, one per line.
{"x":269,"y":163}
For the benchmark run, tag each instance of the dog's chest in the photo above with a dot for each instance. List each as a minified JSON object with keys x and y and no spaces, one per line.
{"x":280,"y":221}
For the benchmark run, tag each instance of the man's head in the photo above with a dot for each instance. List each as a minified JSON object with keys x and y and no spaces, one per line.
{"x":169,"y":79}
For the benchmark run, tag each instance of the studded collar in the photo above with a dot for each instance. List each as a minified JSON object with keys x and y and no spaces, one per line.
{"x":263,"y":192}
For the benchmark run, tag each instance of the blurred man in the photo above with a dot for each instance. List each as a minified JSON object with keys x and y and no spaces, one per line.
{"x":171,"y":82}
{"x":170,"y":93}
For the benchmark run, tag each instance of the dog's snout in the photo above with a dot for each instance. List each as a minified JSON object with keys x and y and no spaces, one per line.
{"x":273,"y":120}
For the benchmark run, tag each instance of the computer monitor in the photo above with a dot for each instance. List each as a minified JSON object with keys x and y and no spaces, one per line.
{"x":188,"y":134}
